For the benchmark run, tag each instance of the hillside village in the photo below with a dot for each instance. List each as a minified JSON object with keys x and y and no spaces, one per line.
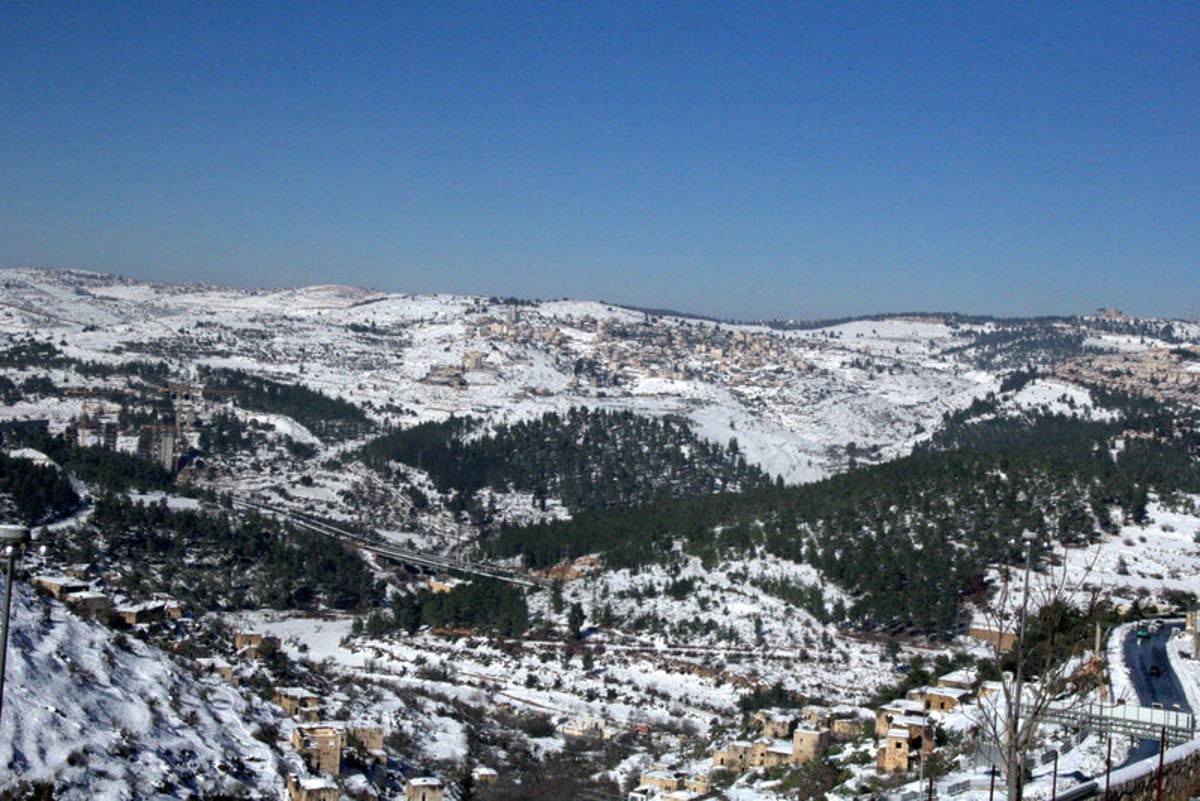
{"x":630,"y":681}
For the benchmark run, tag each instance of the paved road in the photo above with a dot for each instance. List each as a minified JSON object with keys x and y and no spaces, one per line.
{"x":1143,"y":656}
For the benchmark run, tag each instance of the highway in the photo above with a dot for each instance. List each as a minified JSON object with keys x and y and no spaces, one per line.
{"x":380,"y":547}
{"x":1153,"y":680}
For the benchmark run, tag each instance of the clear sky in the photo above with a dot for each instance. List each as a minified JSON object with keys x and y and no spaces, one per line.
{"x":743,"y":160}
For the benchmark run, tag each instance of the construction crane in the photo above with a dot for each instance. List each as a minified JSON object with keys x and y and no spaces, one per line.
{"x":184,"y":398}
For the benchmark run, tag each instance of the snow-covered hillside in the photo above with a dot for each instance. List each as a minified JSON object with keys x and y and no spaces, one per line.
{"x":98,"y":714}
{"x":90,"y":708}
{"x":797,"y":401}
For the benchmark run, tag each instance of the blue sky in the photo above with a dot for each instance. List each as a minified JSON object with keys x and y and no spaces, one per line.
{"x":743,"y":160}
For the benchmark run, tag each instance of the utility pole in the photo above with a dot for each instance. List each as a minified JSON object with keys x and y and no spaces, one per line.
{"x":1013,"y":755}
{"x":11,"y":539}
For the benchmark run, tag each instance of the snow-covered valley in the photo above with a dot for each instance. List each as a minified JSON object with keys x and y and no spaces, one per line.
{"x":666,"y":652}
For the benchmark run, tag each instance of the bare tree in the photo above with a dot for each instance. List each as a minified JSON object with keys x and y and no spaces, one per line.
{"x":1034,"y":625}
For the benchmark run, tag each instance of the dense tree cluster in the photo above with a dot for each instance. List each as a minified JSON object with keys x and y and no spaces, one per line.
{"x":223,"y":433}
{"x":157,"y":373}
{"x":1132,"y":326}
{"x":590,"y":459}
{"x":1011,"y":344}
{"x":481,"y":604}
{"x":38,"y":493}
{"x":10,"y":393}
{"x":773,"y":697}
{"x":910,"y":539}
{"x":331,"y":419}
{"x":31,"y":354}
{"x":221,"y":561}
{"x":106,"y":468}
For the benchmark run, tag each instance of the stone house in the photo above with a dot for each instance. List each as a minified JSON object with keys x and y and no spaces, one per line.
{"x":369,"y":738}
{"x":661,"y":784}
{"x":427,"y":788}
{"x":474,"y":360}
{"x":886,"y":714}
{"x":776,"y":725}
{"x":898,"y":753}
{"x":662,"y":781}
{"x":217,"y":667}
{"x":769,"y":753}
{"x":807,"y":744}
{"x":843,"y":722}
{"x":909,"y":739}
{"x":89,"y":603}
{"x":145,"y":612}
{"x":252,"y":644}
{"x":735,"y":756}
{"x":311,"y":788}
{"x":445,"y":376}
{"x":942,"y":699}
{"x":847,"y":723}
{"x":485,"y":775}
{"x":963,"y":679}
{"x":59,"y":586}
{"x":938,"y":699}
{"x":584,"y":726}
{"x":321,"y":746}
{"x":172,"y":609}
{"x":299,"y":703}
{"x":1004,"y":641}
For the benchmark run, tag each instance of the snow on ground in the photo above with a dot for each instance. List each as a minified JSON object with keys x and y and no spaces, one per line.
{"x":312,"y":639}
{"x":881,"y":385}
{"x":1142,"y":561}
{"x":1182,"y":653}
{"x":378,"y":349}
{"x":100,"y":715}
{"x":174,"y":502}
{"x":1057,"y":397}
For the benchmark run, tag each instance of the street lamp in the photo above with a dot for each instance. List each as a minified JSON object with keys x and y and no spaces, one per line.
{"x":11,"y":539}
{"x":1016,"y":761}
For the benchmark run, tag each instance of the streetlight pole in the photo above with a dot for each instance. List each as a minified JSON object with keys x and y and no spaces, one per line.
{"x":1016,"y":761}
{"x":11,"y":539}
